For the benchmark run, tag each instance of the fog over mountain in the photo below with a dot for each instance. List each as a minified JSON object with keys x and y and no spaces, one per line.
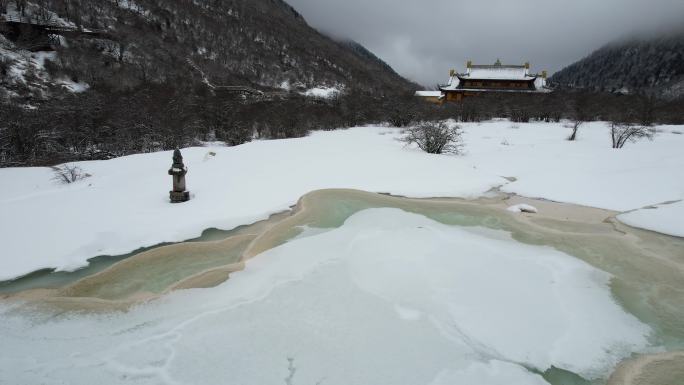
{"x":652,"y":65}
{"x":422,"y":40}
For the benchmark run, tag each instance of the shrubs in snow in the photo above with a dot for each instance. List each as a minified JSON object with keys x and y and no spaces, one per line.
{"x":621,"y":133}
{"x":435,"y":137}
{"x":67,"y":174}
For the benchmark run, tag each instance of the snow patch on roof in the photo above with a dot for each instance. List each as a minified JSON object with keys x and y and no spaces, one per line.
{"x":452,"y":84}
{"x":498,"y":73}
{"x":539,"y":83}
{"x":429,"y":94}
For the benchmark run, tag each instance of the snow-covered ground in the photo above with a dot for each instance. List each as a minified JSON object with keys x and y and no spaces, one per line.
{"x":588,"y":171}
{"x":666,"y":218}
{"x":124,"y":205}
{"x":388,"y":298}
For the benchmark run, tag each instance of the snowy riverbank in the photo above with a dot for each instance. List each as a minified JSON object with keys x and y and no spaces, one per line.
{"x":124,"y":205}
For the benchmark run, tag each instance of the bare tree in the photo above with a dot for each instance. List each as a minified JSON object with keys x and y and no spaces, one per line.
{"x":403,"y":111}
{"x":235,"y":133}
{"x":43,"y":15}
{"x":575,"y":127}
{"x":435,"y":137}
{"x":21,"y":6}
{"x":647,"y":110}
{"x":621,"y":133}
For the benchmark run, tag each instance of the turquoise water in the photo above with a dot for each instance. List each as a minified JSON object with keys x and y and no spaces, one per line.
{"x":50,"y":279}
{"x":646,"y":281}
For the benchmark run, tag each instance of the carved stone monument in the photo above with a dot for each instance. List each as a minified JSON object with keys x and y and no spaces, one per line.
{"x":178,"y":171}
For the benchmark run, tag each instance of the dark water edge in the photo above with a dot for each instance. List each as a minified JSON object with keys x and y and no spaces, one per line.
{"x":557,"y":376}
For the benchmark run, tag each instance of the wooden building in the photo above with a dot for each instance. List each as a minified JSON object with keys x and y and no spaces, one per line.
{"x":496,"y":77}
{"x":436,"y":97}
{"x":489,"y":78}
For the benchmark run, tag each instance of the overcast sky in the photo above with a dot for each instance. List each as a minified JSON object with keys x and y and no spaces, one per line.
{"x":423,"y":39}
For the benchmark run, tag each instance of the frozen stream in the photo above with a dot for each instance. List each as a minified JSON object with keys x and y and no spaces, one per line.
{"x":360,"y":288}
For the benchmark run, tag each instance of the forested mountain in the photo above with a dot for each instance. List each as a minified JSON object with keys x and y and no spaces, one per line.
{"x":640,"y":65}
{"x":260,"y":43}
{"x":130,"y":76}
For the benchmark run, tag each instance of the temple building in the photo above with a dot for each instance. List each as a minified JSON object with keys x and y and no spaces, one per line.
{"x":490,"y":78}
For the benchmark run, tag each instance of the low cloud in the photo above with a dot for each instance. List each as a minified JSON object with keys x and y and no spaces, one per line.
{"x":422,"y":40}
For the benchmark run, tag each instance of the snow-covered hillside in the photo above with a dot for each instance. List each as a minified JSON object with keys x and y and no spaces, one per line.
{"x":124,"y":204}
{"x":257,"y":44}
{"x":26,"y":74}
{"x":636,"y":65}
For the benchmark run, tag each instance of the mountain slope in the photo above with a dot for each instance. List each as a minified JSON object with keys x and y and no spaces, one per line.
{"x":259,"y":43}
{"x":364,"y":53}
{"x":135,"y":76}
{"x":653,"y":65}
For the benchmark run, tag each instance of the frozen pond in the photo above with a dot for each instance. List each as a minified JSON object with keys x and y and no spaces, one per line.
{"x":360,"y":288}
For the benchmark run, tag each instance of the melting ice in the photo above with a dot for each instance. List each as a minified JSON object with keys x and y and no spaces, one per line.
{"x":390,"y":297}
